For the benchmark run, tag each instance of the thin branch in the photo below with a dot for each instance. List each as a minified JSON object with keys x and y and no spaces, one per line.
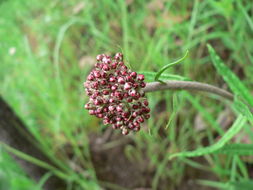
{"x":187,"y":85}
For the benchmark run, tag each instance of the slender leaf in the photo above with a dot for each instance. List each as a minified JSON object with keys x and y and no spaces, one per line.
{"x":150,"y":76}
{"x":168,"y":66}
{"x":243,"y":109}
{"x":236,"y":127}
{"x":236,"y":149}
{"x":231,"y":79}
{"x":241,"y":185}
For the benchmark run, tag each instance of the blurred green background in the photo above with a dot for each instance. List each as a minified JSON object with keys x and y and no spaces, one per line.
{"x":48,"y":47}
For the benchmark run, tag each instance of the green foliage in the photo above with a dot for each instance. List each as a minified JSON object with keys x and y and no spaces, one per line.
{"x":236,"y":149}
{"x":164,"y":68}
{"x":231,"y":79}
{"x":48,"y":47}
{"x":149,"y":76}
{"x":235,"y":128}
{"x":12,"y":177}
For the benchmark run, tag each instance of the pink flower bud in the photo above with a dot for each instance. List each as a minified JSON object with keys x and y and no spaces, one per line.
{"x":111,"y":108}
{"x":127,"y":86}
{"x":99,"y":57}
{"x":140,"y":77}
{"x":125,"y":131}
{"x":97,"y":74}
{"x":133,"y":74}
{"x":121,"y":80}
{"x":112,"y":79}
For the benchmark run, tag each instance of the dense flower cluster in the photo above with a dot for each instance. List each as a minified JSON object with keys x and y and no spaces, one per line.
{"x":116,"y":94}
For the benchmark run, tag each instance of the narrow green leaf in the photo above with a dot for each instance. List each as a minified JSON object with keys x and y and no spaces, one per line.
{"x":236,"y":149}
{"x":241,"y":185}
{"x":34,"y":160}
{"x":236,"y":127}
{"x":231,"y":79}
{"x":168,"y":66}
{"x":243,"y":109}
{"x":150,"y":76}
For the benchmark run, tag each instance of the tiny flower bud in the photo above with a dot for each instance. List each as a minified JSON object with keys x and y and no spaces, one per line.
{"x":127,"y":86}
{"x":140,"y":77}
{"x":112,"y":79}
{"x":125,"y":131}
{"x":111,"y":108}
{"x":121,"y":80}
{"x":133,"y":74}
{"x":99,"y":57}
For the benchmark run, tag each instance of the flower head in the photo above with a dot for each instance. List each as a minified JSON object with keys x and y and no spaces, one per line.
{"x":116,"y":94}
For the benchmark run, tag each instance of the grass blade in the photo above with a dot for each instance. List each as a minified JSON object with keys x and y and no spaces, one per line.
{"x":236,"y":127}
{"x":169,"y":65}
{"x":236,"y":149}
{"x":150,"y":76}
{"x":231,"y":79}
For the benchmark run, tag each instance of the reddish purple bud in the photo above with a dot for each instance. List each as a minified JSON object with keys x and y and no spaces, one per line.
{"x":119,"y":108}
{"x":130,"y":126}
{"x":112,"y":79}
{"x":147,"y":110}
{"x":119,"y":119}
{"x":87,"y":106}
{"x":136,"y":124}
{"x":129,"y":100}
{"x":123,"y":72}
{"x":145,"y":102}
{"x":100,"y":115}
{"x":136,"y":85}
{"x":105,"y":92}
{"x":127,"y":86}
{"x":114,"y":87}
{"x":125,"y":95}
{"x":118,"y":124}
{"x":135,"y":114}
{"x":143,"y":84}
{"x":135,"y":106}
{"x":91,"y":112}
{"x":111,"y":108}
{"x":97,"y":74}
{"x":118,"y":56}
{"x":129,"y":78}
{"x":121,"y":63}
{"x":125,"y":114}
{"x":140,"y":119}
{"x":99,"y":57}
{"x":90,"y":77}
{"x":106,"y":67}
{"x":147,"y":116}
{"x":97,"y":102}
{"x":140,"y":77}
{"x":105,"y":101}
{"x":103,"y":82}
{"x":133,"y":74}
{"x":106,"y":60}
{"x":121,"y":80}
{"x":106,"y":121}
{"x":132,"y":93}
{"x":111,"y":100}
{"x":125,"y":131}
{"x":114,"y":65}
{"x":99,"y":110}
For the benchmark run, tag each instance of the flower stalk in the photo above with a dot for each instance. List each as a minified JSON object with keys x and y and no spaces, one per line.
{"x":187,"y":85}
